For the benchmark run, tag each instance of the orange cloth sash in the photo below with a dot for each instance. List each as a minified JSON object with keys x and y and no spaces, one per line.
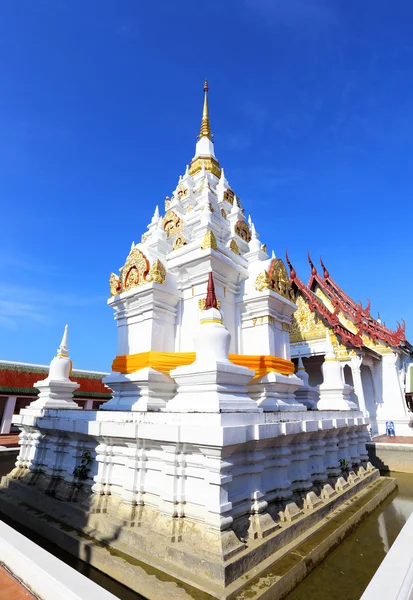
{"x":167,"y":361}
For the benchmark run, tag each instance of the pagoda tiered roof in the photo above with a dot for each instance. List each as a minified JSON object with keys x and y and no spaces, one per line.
{"x":347,"y":318}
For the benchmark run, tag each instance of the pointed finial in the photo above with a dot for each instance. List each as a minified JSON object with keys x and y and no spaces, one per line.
{"x":211,"y":300}
{"x":325,"y":272}
{"x":132,"y":246}
{"x":63,"y":349}
{"x":313,"y":269}
{"x":253,"y":230}
{"x":273,"y":254}
{"x":293,"y":273}
{"x":222,"y":174}
{"x":300,"y":366}
{"x":249,"y":220}
{"x":378,"y":318}
{"x":205,"y":130}
{"x":187,"y":171}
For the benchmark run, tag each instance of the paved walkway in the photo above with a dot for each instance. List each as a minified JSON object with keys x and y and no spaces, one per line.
{"x":9,"y":440}
{"x":389,"y":439}
{"x":11,"y":589}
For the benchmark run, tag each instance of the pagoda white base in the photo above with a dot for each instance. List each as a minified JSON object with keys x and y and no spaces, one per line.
{"x":55,"y":395}
{"x":143,"y":390}
{"x":335,"y":398}
{"x":276,"y":392}
{"x":200,"y":487}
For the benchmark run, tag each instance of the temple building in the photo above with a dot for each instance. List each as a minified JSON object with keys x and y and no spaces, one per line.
{"x":375,"y":360}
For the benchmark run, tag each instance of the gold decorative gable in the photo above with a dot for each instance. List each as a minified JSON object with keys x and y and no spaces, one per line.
{"x":136,"y":272}
{"x":179,"y":242}
{"x":242,"y":229}
{"x":279,"y":277}
{"x":172,"y":224}
{"x":306,"y":325}
{"x":277,"y":280}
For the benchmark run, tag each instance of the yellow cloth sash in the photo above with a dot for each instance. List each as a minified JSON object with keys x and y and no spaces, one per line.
{"x":167,"y":361}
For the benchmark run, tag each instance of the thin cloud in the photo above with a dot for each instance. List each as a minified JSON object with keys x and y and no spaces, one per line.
{"x":37,"y":305}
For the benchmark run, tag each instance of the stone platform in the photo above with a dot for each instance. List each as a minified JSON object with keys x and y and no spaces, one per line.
{"x":270,"y":568}
{"x":210,"y":499}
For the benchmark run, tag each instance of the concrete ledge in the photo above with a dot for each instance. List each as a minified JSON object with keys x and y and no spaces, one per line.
{"x":394,"y":578}
{"x":391,"y":457}
{"x":45,"y":575}
{"x":273,"y":577}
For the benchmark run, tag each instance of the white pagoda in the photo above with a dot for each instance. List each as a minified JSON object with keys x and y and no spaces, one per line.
{"x":204,"y":465}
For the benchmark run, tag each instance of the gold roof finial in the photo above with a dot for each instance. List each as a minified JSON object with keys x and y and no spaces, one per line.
{"x":205,"y":130}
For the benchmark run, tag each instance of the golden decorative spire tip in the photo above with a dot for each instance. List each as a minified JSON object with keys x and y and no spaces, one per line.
{"x":205,"y":130}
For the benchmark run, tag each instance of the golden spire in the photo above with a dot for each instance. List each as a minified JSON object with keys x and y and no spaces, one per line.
{"x":205,"y":130}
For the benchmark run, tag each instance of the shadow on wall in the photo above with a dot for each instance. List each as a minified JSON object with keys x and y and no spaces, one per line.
{"x":375,"y":460}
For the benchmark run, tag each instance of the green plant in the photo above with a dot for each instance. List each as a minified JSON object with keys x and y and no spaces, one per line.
{"x":81,"y":472}
{"x":343,"y":464}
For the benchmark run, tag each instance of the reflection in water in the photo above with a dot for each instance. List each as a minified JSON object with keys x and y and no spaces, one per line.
{"x":346,"y":572}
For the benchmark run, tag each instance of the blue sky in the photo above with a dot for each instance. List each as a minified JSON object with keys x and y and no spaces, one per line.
{"x":311,"y":105}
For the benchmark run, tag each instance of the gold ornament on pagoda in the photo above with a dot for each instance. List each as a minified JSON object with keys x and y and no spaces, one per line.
{"x":179,"y":242}
{"x":114,"y":285}
{"x":280,"y":279}
{"x":243,"y":231}
{"x":209,"y":241}
{"x":157,"y":273}
{"x":181,"y":191}
{"x":211,"y":165}
{"x":229,"y":196}
{"x":172,"y":224}
{"x":135,"y":270}
{"x":234,"y":247}
{"x":263,"y":282}
{"x":223,"y":213}
{"x":305,"y":324}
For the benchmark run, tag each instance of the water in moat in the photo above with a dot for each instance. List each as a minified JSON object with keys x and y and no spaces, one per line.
{"x":343,"y":575}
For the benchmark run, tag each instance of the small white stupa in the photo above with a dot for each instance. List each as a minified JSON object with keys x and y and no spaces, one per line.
{"x":334,"y":392}
{"x":212,"y":384}
{"x":56,"y":391}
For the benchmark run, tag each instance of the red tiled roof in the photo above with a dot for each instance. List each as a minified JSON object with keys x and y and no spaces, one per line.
{"x":21,"y":379}
{"x":359,"y":316}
